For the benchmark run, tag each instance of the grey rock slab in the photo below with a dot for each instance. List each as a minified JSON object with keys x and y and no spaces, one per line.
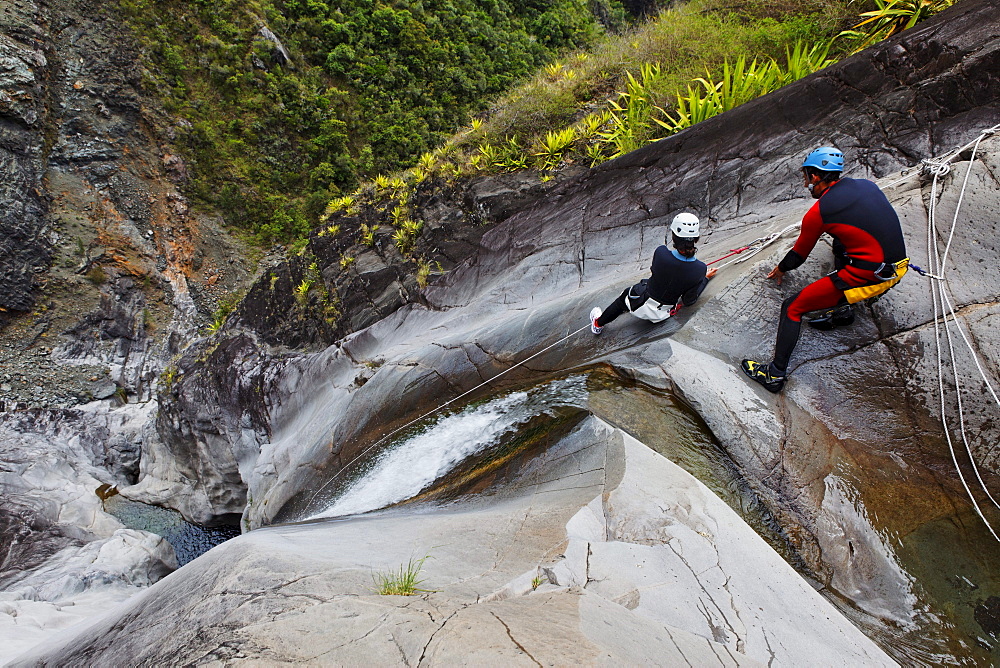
{"x":304,"y":593}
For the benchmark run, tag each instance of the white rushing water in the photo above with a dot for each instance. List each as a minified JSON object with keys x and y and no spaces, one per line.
{"x":414,"y":462}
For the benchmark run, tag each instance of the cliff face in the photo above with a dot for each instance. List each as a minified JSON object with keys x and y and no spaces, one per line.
{"x":852,"y":451}
{"x":26,"y":247}
{"x":850,"y":461}
{"x":105,"y":273}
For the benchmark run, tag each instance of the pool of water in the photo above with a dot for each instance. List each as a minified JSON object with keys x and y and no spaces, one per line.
{"x":188,"y":540}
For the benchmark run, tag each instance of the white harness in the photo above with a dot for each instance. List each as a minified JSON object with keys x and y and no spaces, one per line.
{"x":651,"y":310}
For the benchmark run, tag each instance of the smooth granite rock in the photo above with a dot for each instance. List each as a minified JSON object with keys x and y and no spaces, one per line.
{"x":644,"y":564}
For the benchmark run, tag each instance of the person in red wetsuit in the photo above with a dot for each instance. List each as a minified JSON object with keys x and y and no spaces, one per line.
{"x":869,"y":257}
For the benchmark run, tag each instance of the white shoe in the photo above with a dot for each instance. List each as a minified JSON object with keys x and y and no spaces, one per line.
{"x":595,"y":313}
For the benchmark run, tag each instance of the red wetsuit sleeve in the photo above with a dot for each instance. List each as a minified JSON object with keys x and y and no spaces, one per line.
{"x":812,"y":227}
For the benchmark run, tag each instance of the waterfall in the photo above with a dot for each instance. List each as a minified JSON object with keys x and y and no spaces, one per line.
{"x":416,"y":460}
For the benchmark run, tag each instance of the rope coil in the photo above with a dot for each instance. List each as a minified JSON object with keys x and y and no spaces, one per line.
{"x":943,"y":307}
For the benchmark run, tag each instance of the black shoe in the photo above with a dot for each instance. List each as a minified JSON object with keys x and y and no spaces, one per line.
{"x":762,"y":374}
{"x":840,"y":317}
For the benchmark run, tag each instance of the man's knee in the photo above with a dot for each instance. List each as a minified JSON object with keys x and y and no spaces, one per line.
{"x":786,"y":308}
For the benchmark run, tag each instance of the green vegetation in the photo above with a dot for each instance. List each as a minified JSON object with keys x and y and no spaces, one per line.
{"x":891,"y":17}
{"x":168,"y":377}
{"x":283,"y":104}
{"x":669,"y":74}
{"x":690,"y":63}
{"x":662,"y":58}
{"x":227,"y":304}
{"x":403,"y":582}
{"x":359,"y":117}
{"x":97,"y":275}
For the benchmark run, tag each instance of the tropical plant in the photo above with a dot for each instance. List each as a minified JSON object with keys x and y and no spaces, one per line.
{"x":423,"y":272}
{"x":553,"y":70}
{"x":338,"y":204}
{"x":302,"y":291}
{"x":381,"y":181}
{"x":397,"y":214}
{"x":332,"y":230}
{"x":591,"y":124}
{"x":512,"y":156}
{"x":891,"y":17}
{"x":215,"y":325}
{"x":428,"y":161}
{"x":491,"y":154}
{"x":800,"y":61}
{"x":346,"y":261}
{"x":402,"y":241}
{"x":552,"y":146}
{"x":595,"y":153}
{"x":630,"y":116}
{"x":740,"y":83}
{"x":368,"y":234}
{"x":412,"y":227}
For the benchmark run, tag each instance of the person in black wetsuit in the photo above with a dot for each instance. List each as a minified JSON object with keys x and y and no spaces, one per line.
{"x":869,"y":257}
{"x":677,"y":279}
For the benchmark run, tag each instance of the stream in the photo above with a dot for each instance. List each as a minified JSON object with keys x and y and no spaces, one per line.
{"x":955,"y":589}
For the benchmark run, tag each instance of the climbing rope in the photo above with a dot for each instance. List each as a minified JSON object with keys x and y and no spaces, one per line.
{"x":754,"y":247}
{"x":435,"y":410}
{"x":940,"y":166}
{"x":937,"y":168}
{"x":943,"y":307}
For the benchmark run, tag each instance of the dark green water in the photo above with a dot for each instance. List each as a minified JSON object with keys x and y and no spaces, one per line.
{"x":189,"y":540}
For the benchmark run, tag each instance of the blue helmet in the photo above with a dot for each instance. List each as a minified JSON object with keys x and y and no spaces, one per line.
{"x":825,"y":158}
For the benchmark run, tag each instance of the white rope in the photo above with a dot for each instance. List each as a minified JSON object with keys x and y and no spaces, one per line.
{"x":435,"y":410}
{"x":939,"y":166}
{"x":757,"y":245}
{"x":943,"y":307}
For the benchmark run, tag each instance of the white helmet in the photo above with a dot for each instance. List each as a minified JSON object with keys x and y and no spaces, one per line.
{"x":686,"y":226}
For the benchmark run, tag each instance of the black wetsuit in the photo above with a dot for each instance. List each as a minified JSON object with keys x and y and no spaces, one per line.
{"x":674,"y":279}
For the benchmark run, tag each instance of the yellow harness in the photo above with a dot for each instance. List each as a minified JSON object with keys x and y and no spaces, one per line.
{"x":855,"y":295}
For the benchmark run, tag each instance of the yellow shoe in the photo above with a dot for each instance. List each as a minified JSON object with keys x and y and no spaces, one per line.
{"x":762,"y":374}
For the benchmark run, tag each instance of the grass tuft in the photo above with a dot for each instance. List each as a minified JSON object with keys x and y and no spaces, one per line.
{"x":404,"y":582}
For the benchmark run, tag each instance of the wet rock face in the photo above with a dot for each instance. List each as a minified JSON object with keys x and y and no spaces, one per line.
{"x":24,"y":246}
{"x":214,"y":414}
{"x":819,"y":454}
